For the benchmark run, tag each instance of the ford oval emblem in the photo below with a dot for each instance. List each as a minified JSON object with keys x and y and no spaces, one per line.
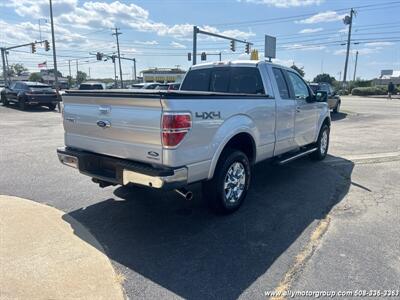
{"x":153,"y":153}
{"x":103,"y":124}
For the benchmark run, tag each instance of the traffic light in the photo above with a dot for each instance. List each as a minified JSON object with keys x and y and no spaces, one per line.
{"x":247,"y":48}
{"x":233,"y":48}
{"x":99,"y":56}
{"x":203,"y":56}
{"x":189,"y":56}
{"x":33,"y":47}
{"x":46,"y":45}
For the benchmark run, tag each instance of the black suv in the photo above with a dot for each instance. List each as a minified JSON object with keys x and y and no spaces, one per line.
{"x":30,"y":93}
{"x":334,"y":100}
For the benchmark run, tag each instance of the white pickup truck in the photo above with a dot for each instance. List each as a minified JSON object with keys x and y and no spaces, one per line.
{"x":226,"y":117}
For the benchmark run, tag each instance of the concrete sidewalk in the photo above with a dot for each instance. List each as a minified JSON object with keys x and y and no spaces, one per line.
{"x":42,"y":258}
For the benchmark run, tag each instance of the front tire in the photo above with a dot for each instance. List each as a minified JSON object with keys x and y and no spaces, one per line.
{"x":21,"y":103}
{"x":322,"y":144}
{"x":228,"y":188}
{"x":337,"y":108}
{"x":52,"y":106}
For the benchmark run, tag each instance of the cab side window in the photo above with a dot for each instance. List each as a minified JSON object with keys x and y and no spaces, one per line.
{"x":246,"y":80}
{"x":300,"y":88}
{"x":282,"y":84}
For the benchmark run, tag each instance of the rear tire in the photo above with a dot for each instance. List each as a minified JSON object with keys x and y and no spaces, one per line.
{"x":322,"y":144}
{"x":226,"y":191}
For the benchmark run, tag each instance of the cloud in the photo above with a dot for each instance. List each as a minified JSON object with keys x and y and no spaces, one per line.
{"x":283,"y":62}
{"x":99,"y":14}
{"x":360,"y":51}
{"x":303,"y":47}
{"x":178,"y":45}
{"x":285,"y":3}
{"x":146,"y":42}
{"x":40,"y":8}
{"x":378,"y":44}
{"x":328,"y":16}
{"x":311,"y":30}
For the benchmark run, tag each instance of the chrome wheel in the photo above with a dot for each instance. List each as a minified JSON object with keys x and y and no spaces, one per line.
{"x":234,"y":182}
{"x":324,"y":142}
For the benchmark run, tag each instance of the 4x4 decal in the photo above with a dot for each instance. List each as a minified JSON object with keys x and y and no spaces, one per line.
{"x":208,"y":115}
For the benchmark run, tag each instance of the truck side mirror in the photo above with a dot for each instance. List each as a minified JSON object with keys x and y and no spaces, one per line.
{"x":321,"y":96}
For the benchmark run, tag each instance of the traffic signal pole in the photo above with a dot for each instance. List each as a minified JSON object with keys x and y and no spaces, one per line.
{"x":4,"y":53}
{"x":196,"y":31}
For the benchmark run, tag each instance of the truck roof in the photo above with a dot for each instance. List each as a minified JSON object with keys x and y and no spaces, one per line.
{"x":241,"y":63}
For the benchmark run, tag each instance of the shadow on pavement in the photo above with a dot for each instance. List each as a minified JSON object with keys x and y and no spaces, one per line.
{"x":184,"y":248}
{"x":30,"y":108}
{"x":338,"y":116}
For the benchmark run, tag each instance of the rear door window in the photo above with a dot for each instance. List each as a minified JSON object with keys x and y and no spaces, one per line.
{"x":197,"y":80}
{"x":281,"y":82}
{"x":246,"y":80}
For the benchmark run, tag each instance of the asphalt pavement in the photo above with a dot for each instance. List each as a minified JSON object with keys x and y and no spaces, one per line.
{"x":306,"y":225}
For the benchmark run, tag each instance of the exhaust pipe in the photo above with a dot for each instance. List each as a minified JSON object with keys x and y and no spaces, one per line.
{"x":188,"y":195}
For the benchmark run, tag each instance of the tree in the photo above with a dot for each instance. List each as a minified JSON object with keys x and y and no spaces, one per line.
{"x":324,"y":78}
{"x":81,"y":77}
{"x":51,"y":71}
{"x":18,"y":69}
{"x":35,"y":77}
{"x":298,"y":70}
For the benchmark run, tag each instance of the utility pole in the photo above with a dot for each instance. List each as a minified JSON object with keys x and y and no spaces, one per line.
{"x":69,"y":67}
{"x":115,"y":72}
{"x":117,"y":33}
{"x":3,"y":59}
{"x":54,"y":46}
{"x":355,"y":67}
{"x":220,"y":56}
{"x":348,"y":20}
{"x":134,"y":68}
{"x":77,"y":69}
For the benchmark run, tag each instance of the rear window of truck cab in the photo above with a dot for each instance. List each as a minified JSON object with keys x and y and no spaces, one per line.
{"x":237,"y":80}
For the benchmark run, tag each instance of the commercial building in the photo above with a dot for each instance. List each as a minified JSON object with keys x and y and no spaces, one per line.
{"x":388,"y":76}
{"x":163,"y":75}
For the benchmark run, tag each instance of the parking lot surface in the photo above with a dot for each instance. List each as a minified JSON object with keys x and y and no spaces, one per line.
{"x":307,"y":225}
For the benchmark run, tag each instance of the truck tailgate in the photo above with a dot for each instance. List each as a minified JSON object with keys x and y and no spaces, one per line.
{"x":125,"y":125}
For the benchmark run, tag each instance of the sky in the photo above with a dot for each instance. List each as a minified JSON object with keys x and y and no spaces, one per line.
{"x":158,"y":33}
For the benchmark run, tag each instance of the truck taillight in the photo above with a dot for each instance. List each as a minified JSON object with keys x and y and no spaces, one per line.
{"x":174,"y":128}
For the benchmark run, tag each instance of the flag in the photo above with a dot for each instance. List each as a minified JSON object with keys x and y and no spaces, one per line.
{"x":43,"y":64}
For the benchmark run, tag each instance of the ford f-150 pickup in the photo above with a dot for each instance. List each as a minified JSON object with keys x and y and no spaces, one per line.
{"x":226,"y":117}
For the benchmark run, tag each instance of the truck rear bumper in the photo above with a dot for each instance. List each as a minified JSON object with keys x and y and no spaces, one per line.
{"x":121,"y":171}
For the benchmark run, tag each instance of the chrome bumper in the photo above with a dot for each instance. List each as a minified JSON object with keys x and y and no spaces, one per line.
{"x":124,"y":171}
{"x":158,"y":182}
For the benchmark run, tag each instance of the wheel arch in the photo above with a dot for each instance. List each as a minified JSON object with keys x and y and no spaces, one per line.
{"x":243,"y":141}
